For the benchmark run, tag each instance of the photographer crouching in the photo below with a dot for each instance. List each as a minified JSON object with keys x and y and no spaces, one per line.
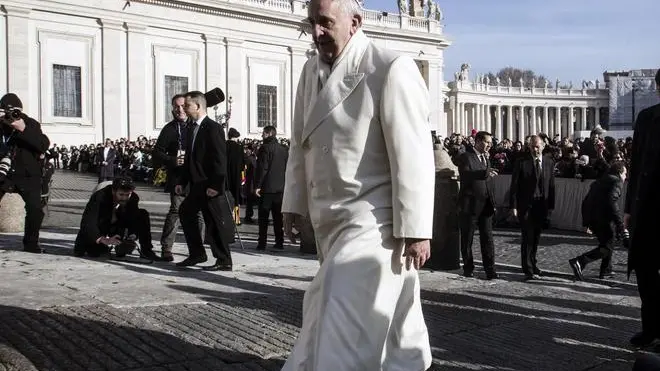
{"x":20,"y":169}
{"x":113,"y":218}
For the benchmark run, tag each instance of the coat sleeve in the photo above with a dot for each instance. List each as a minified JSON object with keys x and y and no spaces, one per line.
{"x":613,"y":195}
{"x":33,"y":137}
{"x":264,"y":158}
{"x":633,"y":172}
{"x":217,"y":157}
{"x":513,"y":189}
{"x":89,"y":223}
{"x":404,"y":116}
{"x":295,"y":182}
{"x":466,"y":172}
{"x":551,"y":185}
{"x":160,"y":149}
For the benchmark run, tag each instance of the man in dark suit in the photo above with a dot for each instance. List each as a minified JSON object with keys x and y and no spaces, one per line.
{"x":602,"y":216}
{"x":269,"y":186}
{"x":169,"y":151}
{"x":641,"y":213}
{"x":106,"y":161}
{"x":476,"y":204}
{"x":235,"y":167}
{"x":204,"y":171}
{"x":22,"y":144}
{"x":532,"y":199}
{"x":113,"y":217}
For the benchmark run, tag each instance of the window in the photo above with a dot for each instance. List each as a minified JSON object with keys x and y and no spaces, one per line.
{"x":173,"y":85}
{"x":67,"y":99}
{"x":266,"y":105}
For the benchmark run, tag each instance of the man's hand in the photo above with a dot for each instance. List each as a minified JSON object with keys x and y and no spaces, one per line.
{"x":417,"y":252}
{"x":178,"y":189}
{"x":626,"y":220}
{"x":104,"y":163}
{"x":110,"y":241}
{"x":492,"y":172}
{"x":18,"y":125}
{"x":210,"y":192}
{"x":179,"y":161}
{"x":514,"y":212}
{"x":257,"y":192}
{"x":291,"y":221}
{"x":589,"y":232}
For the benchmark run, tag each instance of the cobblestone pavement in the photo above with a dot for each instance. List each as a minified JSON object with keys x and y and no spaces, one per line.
{"x":66,"y":313}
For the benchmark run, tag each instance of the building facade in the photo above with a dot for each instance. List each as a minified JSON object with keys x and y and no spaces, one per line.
{"x":94,"y":69}
{"x":514,"y":112}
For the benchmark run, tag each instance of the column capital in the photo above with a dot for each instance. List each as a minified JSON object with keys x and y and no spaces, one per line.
{"x":234,"y":42}
{"x":213,"y":39}
{"x":17,"y":11}
{"x":133,"y":27}
{"x":112,"y":24}
{"x":297,"y":50}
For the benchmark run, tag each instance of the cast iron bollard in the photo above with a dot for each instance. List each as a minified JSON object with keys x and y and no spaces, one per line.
{"x":12,"y":213}
{"x":445,"y":245}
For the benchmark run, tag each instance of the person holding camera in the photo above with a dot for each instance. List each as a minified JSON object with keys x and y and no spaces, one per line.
{"x":602,"y":216}
{"x":22,"y":144}
{"x":113,"y":217}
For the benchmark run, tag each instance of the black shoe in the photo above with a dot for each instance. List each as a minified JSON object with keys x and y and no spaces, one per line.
{"x":218,"y":267}
{"x":248,"y":220}
{"x":278,"y":246}
{"x":491,"y":276}
{"x":642,"y":340}
{"x":606,"y":275}
{"x":192,"y":260}
{"x":532,"y":277}
{"x":261,"y":247}
{"x":34,"y":250}
{"x":167,"y":256}
{"x":468,"y":274}
{"x":539,"y":272}
{"x":577,"y":269}
{"x":149,"y":254}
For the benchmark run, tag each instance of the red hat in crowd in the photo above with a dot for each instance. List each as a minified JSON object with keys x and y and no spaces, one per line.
{"x":474,"y":132}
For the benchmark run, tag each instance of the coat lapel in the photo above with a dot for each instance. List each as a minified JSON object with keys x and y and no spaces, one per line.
{"x":342,"y":81}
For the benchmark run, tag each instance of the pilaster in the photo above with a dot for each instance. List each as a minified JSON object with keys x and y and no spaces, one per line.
{"x":18,"y":55}
{"x":216,"y":64}
{"x":139,"y":104}
{"x":298,"y":58}
{"x":237,"y":86}
{"x":115,"y":95}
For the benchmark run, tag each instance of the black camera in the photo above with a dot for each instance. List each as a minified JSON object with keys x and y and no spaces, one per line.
{"x":12,"y":115}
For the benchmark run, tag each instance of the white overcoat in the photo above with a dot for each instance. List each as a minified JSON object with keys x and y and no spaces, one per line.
{"x":361,"y":166}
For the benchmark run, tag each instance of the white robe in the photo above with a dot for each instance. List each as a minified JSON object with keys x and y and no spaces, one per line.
{"x":361,"y":166}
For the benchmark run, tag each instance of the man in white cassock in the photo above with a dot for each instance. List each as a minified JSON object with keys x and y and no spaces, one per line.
{"x":361,"y":168}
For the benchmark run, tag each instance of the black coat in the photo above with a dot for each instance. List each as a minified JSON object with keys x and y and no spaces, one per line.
{"x":106,"y":171}
{"x":235,"y":165}
{"x":206,"y":161}
{"x":166,"y":149}
{"x":271,"y":166}
{"x":25,"y":148}
{"x":524,"y":181}
{"x":476,"y":191}
{"x":601,"y":205}
{"x":642,"y":196}
{"x":97,"y":217}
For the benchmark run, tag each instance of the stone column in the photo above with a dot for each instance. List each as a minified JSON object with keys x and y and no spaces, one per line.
{"x":216,"y":61}
{"x":489,"y":121}
{"x":509,"y":123}
{"x":114,"y":100}
{"x":236,"y":85}
{"x":546,"y":121}
{"x":558,"y":121}
{"x":475,"y":108}
{"x":499,"y":132}
{"x":535,"y":128}
{"x":583,"y":120}
{"x":596,"y":116}
{"x":569,"y":125}
{"x":18,"y":57}
{"x":522,"y":124}
{"x":460,"y":116}
{"x":138,"y":98}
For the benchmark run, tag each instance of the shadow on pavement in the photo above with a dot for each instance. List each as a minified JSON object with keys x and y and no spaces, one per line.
{"x":103,"y":338}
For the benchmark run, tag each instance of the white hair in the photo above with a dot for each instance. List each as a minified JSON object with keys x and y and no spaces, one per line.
{"x":350,"y":7}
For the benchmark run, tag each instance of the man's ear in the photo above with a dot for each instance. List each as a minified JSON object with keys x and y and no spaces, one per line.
{"x":356,"y":23}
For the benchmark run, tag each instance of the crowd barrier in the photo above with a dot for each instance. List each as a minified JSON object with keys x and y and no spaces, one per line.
{"x":569,"y":194}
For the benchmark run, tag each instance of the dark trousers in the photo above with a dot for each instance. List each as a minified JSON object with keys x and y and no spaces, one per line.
{"x":484,"y":221}
{"x":137,"y":224}
{"x":270,"y":203}
{"x":30,"y":191}
{"x":531,"y":224}
{"x":648,"y":284}
{"x":250,"y":203}
{"x":214,"y":218}
{"x":605,"y":235}
{"x":172,"y":223}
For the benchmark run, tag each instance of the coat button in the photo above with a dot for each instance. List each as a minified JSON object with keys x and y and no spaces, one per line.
{"x":325,"y":149}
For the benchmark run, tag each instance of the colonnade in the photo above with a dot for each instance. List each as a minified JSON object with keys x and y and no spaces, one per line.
{"x":515,"y":122}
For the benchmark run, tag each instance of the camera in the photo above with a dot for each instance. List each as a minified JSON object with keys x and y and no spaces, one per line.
{"x":12,"y":115}
{"x":5,"y":166}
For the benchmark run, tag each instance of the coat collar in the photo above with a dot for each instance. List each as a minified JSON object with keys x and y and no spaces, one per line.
{"x":343,"y":79}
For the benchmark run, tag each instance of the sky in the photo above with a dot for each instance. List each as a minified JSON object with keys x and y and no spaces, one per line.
{"x":572,"y":40}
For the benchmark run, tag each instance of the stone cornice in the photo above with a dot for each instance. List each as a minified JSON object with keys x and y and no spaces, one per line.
{"x":112,"y":24}
{"x":16,"y":11}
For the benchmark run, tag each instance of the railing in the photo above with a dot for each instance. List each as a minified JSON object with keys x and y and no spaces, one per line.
{"x":601,"y":91}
